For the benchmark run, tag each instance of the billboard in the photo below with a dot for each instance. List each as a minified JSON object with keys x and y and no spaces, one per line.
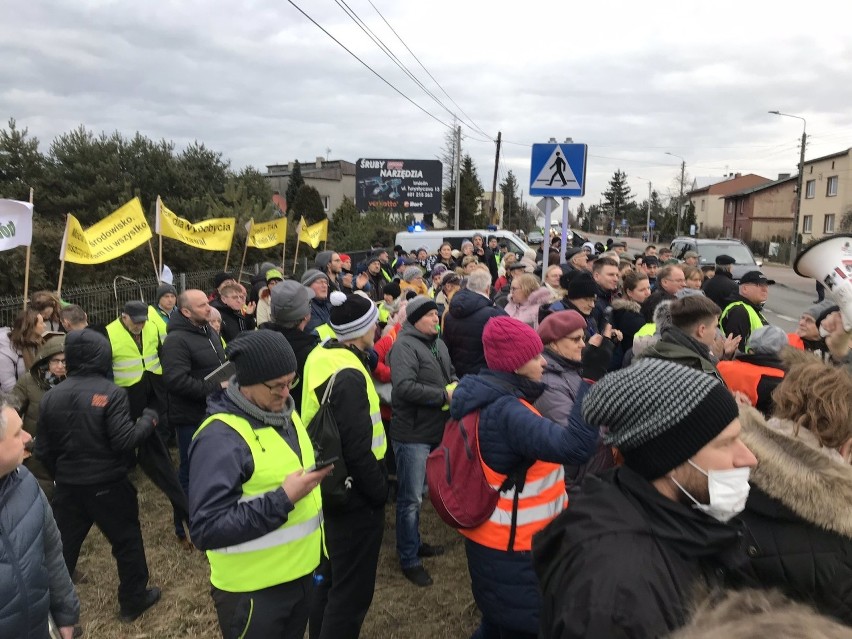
{"x":410,"y":186}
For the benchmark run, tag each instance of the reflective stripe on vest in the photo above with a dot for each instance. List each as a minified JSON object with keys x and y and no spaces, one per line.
{"x":539,"y":503}
{"x":321,"y":364}
{"x":128,"y":364}
{"x":745,"y":376}
{"x":755,"y":320}
{"x":286,"y":553}
{"x":157,"y":320}
{"x":645,"y":329}
{"x":325,"y":333}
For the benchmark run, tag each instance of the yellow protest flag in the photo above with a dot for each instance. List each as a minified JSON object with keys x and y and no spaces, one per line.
{"x":315,"y":233}
{"x":118,"y":233}
{"x":265,"y":235}
{"x":214,"y":234}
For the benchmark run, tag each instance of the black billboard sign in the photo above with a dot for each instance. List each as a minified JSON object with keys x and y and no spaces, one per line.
{"x":411,"y":186}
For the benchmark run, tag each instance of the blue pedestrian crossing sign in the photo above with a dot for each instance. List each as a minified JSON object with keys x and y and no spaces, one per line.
{"x":558,"y":170}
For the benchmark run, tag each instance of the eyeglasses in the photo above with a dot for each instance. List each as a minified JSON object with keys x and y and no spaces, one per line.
{"x":279,"y":389}
{"x":61,"y":362}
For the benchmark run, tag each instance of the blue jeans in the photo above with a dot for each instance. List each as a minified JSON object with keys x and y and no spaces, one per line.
{"x":410,"y":474}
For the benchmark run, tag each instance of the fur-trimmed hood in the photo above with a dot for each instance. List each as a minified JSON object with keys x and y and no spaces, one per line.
{"x":812,"y":481}
{"x":625,"y":304}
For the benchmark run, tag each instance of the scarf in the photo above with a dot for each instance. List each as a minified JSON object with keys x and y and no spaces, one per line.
{"x":276,"y":420}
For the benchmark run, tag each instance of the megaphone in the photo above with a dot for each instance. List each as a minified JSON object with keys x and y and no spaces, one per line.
{"x":829,"y":261}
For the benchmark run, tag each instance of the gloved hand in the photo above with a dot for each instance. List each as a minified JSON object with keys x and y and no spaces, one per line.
{"x":596,"y":357}
{"x":374,"y":359}
{"x":151,"y":414}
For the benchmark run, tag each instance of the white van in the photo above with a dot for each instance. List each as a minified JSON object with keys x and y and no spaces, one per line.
{"x":432,"y":240}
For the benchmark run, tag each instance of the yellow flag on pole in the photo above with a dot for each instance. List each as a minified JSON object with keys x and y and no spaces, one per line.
{"x":265,"y":235}
{"x":214,"y":234}
{"x":315,"y":233}
{"x":118,"y":233}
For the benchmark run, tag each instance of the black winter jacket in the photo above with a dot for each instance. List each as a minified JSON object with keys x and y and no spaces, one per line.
{"x":721,"y":288}
{"x":84,"y":427}
{"x":626,"y":317}
{"x":420,"y":369}
{"x":189,"y":353}
{"x":799,"y":515}
{"x":737,"y":321}
{"x":463,"y":326}
{"x":233,"y":322}
{"x":302,"y":344}
{"x":625,"y":561}
{"x":33,"y":576}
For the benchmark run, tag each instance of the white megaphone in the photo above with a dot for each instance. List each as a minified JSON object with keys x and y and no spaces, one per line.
{"x":829,"y":261}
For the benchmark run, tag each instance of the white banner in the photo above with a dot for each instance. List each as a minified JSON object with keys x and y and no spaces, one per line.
{"x":16,"y":224}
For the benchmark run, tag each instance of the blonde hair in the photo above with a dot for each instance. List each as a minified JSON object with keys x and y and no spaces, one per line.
{"x":816,"y":397}
{"x":528,"y":282}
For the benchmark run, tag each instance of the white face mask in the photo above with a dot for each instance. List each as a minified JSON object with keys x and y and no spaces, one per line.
{"x":728,"y":492}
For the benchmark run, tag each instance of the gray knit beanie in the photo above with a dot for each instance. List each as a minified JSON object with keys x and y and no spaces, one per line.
{"x":260,"y":356}
{"x":821,"y":310}
{"x":768,"y":340}
{"x":165,"y":289}
{"x":655,"y":429}
{"x":411,"y":273}
{"x":312,"y":275}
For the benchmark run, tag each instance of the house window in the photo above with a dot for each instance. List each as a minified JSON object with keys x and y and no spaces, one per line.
{"x":730,"y":206}
{"x":831,"y":186}
{"x":828,"y":225}
{"x":702,"y":204}
{"x":326,"y":203}
{"x":807,"y":224}
{"x":810,"y":189}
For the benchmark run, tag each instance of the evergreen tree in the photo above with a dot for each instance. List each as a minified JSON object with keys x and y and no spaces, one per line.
{"x":21,"y":163}
{"x":470,"y":194}
{"x":308,"y":204}
{"x":618,"y":195}
{"x":295,"y":183}
{"x":511,"y":202}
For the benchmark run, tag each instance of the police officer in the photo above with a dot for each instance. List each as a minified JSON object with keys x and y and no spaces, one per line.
{"x":254,"y":500}
{"x":743,"y":316}
{"x":721,"y":288}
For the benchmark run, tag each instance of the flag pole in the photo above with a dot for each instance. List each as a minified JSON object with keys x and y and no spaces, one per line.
{"x":228,"y":256}
{"x":245,"y":249}
{"x":154,"y":261}
{"x":296,"y":257}
{"x":27,"y":267}
{"x":160,"y":235}
{"x":62,"y":259}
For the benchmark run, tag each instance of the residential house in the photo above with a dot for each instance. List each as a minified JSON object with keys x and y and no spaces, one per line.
{"x":709,"y":200}
{"x":826,"y":195}
{"x":334,"y":179}
{"x":763,"y":212}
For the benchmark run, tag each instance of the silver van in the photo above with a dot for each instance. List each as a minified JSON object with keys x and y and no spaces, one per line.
{"x":432,"y":240}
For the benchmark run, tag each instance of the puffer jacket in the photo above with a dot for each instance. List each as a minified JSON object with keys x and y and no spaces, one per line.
{"x":33,"y":576}
{"x":420,"y":370}
{"x":527,"y":311}
{"x":510,"y":437}
{"x":12,"y":366}
{"x":189,"y":354}
{"x":625,"y":561}
{"x":799,"y":515}
{"x":561,"y":381}
{"x":626,"y":317}
{"x":84,"y":428}
{"x":463,"y":326}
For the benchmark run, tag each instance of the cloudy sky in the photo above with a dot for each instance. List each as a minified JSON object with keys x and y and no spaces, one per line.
{"x":259,"y":82}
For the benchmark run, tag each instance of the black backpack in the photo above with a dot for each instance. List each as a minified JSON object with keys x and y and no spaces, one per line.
{"x":325,"y":437}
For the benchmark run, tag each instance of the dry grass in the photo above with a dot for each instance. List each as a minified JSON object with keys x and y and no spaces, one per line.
{"x":399,"y":609}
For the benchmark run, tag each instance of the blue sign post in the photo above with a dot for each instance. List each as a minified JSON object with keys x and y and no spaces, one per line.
{"x":558,"y":170}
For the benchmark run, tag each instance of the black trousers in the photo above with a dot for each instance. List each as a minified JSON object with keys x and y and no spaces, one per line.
{"x":279,"y":612}
{"x":113,"y":507}
{"x":345,"y":592}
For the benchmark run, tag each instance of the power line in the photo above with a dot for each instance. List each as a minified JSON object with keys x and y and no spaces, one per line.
{"x":373,"y":71}
{"x":422,"y":66}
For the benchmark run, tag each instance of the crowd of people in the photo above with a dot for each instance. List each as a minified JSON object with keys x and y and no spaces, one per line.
{"x":652,"y":437}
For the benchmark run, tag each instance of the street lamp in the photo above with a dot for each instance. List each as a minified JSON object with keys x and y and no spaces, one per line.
{"x":648,"y":217}
{"x":794,"y":249}
{"x":680,"y":197}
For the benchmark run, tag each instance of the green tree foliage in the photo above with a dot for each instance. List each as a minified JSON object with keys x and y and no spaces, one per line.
{"x":471,"y":192}
{"x":351,"y":231}
{"x":295,"y":183}
{"x":308,"y":204}
{"x":511,"y":201}
{"x":21,"y":163}
{"x":618,"y":195}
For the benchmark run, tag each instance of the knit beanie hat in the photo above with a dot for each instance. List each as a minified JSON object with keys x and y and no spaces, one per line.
{"x":290,"y":301}
{"x":260,"y":356}
{"x":392,"y":289}
{"x":273,"y":274}
{"x":768,"y":340}
{"x":582,"y":285}
{"x":165,"y":289}
{"x":312,"y":275}
{"x":411,"y":273}
{"x":822,"y":310}
{"x":508,"y":343}
{"x":655,"y":429}
{"x":418,"y":307}
{"x":438,"y":269}
{"x":352,"y":315}
{"x":221,"y":277}
{"x":557,"y":325}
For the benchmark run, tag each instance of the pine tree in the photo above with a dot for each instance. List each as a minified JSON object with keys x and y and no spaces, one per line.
{"x":308,"y":204}
{"x":21,"y":163}
{"x":295,"y":182}
{"x":511,"y":202}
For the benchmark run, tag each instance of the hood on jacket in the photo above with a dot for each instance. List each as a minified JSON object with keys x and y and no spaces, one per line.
{"x":87,"y":352}
{"x":625,"y":304}
{"x":539,"y":296}
{"x":813,"y":482}
{"x":465,"y":303}
{"x":322,"y":260}
{"x":479,"y":391}
{"x":50,"y":348}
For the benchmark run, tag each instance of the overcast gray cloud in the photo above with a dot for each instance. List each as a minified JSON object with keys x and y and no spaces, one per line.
{"x":260,"y":83}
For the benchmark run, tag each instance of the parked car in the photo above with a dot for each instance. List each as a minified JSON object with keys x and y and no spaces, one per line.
{"x":708,"y":250}
{"x":432,"y":240}
{"x":535,"y":238}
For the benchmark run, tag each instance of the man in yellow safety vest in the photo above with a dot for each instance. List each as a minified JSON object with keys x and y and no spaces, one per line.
{"x":743,"y":316}
{"x":255,"y":503}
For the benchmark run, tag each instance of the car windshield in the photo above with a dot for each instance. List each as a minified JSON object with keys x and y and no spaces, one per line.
{"x":708,"y":252}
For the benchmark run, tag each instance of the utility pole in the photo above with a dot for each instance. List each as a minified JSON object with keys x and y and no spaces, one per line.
{"x":493,"y":216}
{"x":458,"y":173}
{"x":794,"y":246}
{"x":680,"y":197}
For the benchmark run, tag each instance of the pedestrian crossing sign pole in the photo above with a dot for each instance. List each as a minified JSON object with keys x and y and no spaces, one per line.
{"x":558,"y":170}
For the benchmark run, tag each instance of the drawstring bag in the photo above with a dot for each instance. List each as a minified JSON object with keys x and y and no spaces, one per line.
{"x":325,"y":437}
